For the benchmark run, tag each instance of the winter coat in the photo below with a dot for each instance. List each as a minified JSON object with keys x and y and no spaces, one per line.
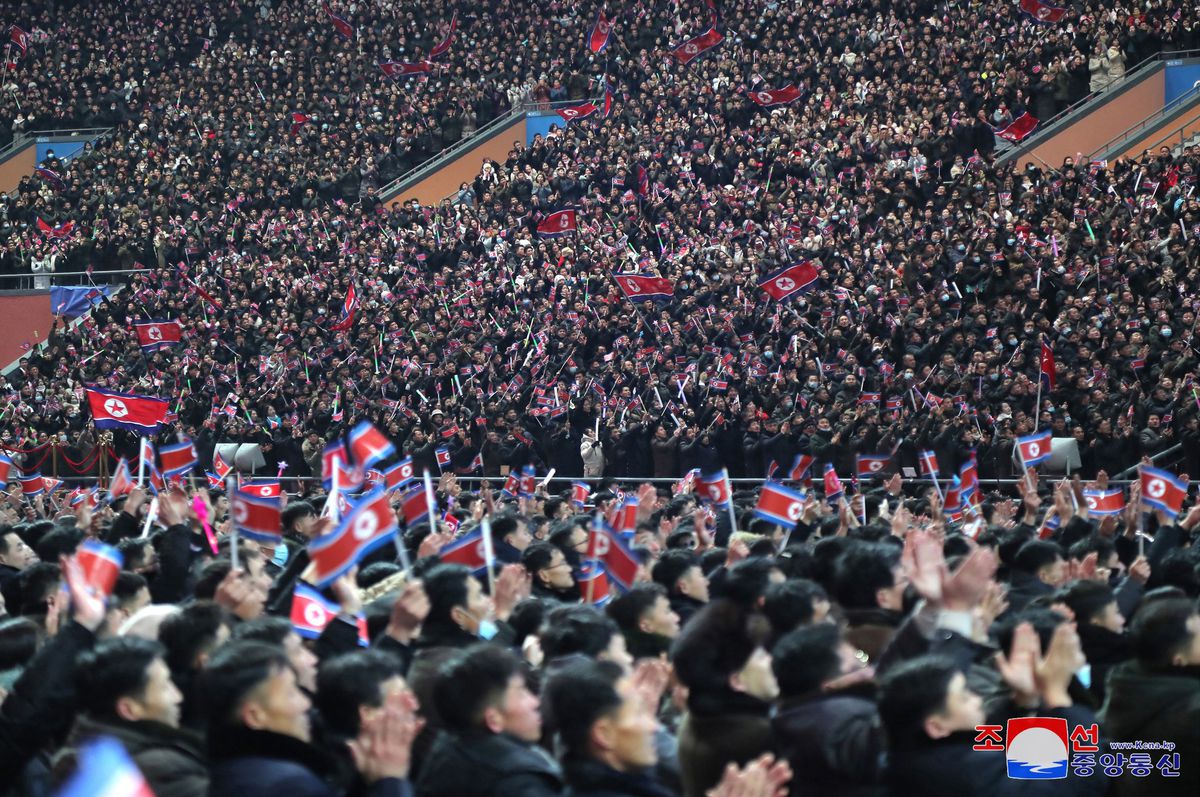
{"x":835,"y":739}
{"x":719,"y":728}
{"x":172,"y":759}
{"x":488,"y":765}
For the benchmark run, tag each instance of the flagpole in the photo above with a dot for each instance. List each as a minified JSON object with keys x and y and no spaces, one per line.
{"x":489,"y":556}
{"x":141,"y":460}
{"x":593,"y":547}
{"x":233,"y":536}
{"x":430,"y":502}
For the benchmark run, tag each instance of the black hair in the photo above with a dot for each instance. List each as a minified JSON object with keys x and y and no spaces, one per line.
{"x":117,"y":667}
{"x":37,"y":583}
{"x":576,"y":629}
{"x":446,"y":587}
{"x":504,"y":525}
{"x":825,"y":555}
{"x":126,"y":588}
{"x":133,"y":551}
{"x":296,"y":510}
{"x":1087,"y":599}
{"x":1036,"y":554}
{"x":712,"y":559}
{"x":672,"y":566}
{"x":716,"y":643}
{"x":269,"y":629}
{"x":538,"y":556}
{"x":190,"y":632}
{"x":347,"y":682}
{"x":5,"y":546}
{"x":1160,"y":631}
{"x":683,"y":538}
{"x":470,"y":683}
{"x":18,"y":642}
{"x":910,"y":693}
{"x":575,"y":697}
{"x":628,"y":609}
{"x":746,"y":582}
{"x":60,"y":541}
{"x":1043,"y":620}
{"x":806,"y":658}
{"x":375,"y":572}
{"x":790,"y":604}
{"x":526,"y":618}
{"x":234,"y":671}
{"x":861,"y":572}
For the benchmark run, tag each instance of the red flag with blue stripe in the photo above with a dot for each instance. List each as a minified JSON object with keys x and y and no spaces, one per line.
{"x":780,"y":505}
{"x":256,"y":517}
{"x":369,"y":524}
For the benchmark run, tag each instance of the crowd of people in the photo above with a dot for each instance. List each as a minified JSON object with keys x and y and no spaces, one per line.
{"x":878,"y":644}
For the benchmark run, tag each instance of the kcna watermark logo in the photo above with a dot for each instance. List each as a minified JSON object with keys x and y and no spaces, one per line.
{"x":1044,"y":748}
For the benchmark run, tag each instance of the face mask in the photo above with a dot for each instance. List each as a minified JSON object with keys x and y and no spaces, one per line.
{"x":1012,"y":341}
{"x":488,"y":629}
{"x":281,"y":555}
{"x":1166,"y":332}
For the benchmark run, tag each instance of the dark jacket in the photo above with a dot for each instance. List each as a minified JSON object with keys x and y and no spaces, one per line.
{"x":646,"y":646}
{"x":1146,"y":703}
{"x":833,"y":741}
{"x":1104,"y":650}
{"x":685,"y":607}
{"x":950,"y":768}
{"x":594,"y":779}
{"x":260,"y":762}
{"x":719,"y":728}
{"x":488,"y":765}
{"x":172,"y":759}
{"x":1025,"y":588}
{"x":870,"y":630}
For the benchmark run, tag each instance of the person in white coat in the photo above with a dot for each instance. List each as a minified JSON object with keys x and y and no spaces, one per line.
{"x":592,"y":451}
{"x":42,"y":268}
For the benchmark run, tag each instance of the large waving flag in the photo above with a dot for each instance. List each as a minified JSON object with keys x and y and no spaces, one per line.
{"x":782,"y":96}
{"x":155,"y":335}
{"x":790,"y":282}
{"x":178,"y":459}
{"x":561,"y":222}
{"x":598,"y":38}
{"x":697,"y":45}
{"x":1018,"y":129}
{"x":57,"y":231}
{"x":112,"y":410}
{"x":577,"y":113}
{"x":344,"y":28}
{"x":403,"y":69}
{"x":19,"y":38}
{"x":1046,"y":366}
{"x":642,"y":289}
{"x":369,"y":524}
{"x":346,"y":320}
{"x":1042,"y":12}
{"x":52,"y":177}
{"x":443,"y":47}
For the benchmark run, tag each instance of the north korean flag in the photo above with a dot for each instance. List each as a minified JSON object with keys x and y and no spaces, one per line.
{"x":51,"y":485}
{"x":19,"y":37}
{"x":155,"y":335}
{"x":1019,"y":128}
{"x":715,"y":487}
{"x":52,"y":177}
{"x":415,"y":505}
{"x":121,"y":482}
{"x":178,"y":459}
{"x":368,"y":445}
{"x":598,"y":39}
{"x":625,"y":519}
{"x":468,"y":551}
{"x":791,"y":281}
{"x":32,"y":484}
{"x":255,"y":516}
{"x":369,"y":524}
{"x":57,"y":231}
{"x":299,"y":120}
{"x":929,"y":464}
{"x":333,"y":456}
{"x":577,"y":113}
{"x":399,"y":474}
{"x":443,"y":457}
{"x":833,"y":485}
{"x":112,"y":410}
{"x":443,"y":47}
{"x":1161,"y":490}
{"x":528,"y":481}
{"x":593,"y":582}
{"x":778,"y":504}
{"x":800,"y":467}
{"x":311,"y":612}
{"x":5,"y":467}
{"x":101,"y":565}
{"x":1047,"y":369}
{"x":557,"y":224}
{"x":1034,"y":449}
{"x":697,"y":45}
{"x":870,"y":465}
{"x":344,"y":28}
{"x":606,"y":547}
{"x":1042,"y":12}
{"x":1105,"y":502}
{"x":783,"y":96}
{"x":642,"y":289}
{"x":579,"y":494}
{"x":215,"y":482}
{"x":968,"y":476}
{"x":396,"y":69}
{"x":346,"y":320}
{"x":512,"y":484}
{"x":264,"y":488}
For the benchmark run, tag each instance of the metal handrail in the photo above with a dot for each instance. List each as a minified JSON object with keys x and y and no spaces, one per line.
{"x":1138,"y":72}
{"x":30,"y":137}
{"x":93,"y":274}
{"x":1150,"y":121}
{"x":1173,"y":449}
{"x":1178,"y":130}
{"x":464,"y":145}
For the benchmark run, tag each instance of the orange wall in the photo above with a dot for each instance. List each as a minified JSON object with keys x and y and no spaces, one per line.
{"x":16,"y":167}
{"x":445,"y":181}
{"x":27,"y":319}
{"x":1102,"y":125}
{"x":1168,"y":136}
